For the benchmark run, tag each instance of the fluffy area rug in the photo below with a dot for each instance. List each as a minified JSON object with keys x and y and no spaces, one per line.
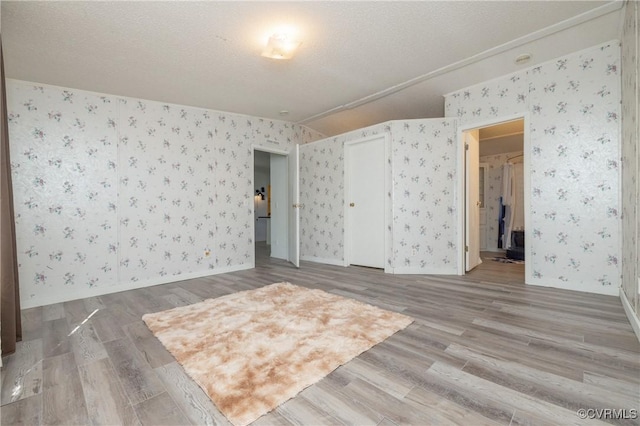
{"x":253,"y":350}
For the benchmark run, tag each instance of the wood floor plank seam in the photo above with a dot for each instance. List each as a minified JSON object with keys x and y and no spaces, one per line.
{"x":484,"y":349}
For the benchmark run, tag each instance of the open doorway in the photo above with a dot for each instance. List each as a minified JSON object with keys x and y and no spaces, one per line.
{"x":495,"y":206}
{"x":270,"y":179}
{"x":262,"y":204}
{"x":276,"y":225}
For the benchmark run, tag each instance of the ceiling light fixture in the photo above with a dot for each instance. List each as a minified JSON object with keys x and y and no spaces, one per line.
{"x":523,"y":59}
{"x":280,"y":46}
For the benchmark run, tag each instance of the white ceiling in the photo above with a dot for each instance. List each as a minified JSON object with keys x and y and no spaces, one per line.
{"x":360,"y":62}
{"x":501,"y":138}
{"x":500,"y":145}
{"x":508,"y":128}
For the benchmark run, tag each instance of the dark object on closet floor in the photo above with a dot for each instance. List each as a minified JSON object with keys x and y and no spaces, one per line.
{"x":516,"y":251}
{"x":505,"y":260}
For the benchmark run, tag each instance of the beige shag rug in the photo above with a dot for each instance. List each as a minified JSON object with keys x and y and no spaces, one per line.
{"x":253,"y":350}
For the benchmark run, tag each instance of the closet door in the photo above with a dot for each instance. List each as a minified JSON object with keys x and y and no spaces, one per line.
{"x":482,"y":181}
{"x":365,"y":161}
{"x":472,"y":160}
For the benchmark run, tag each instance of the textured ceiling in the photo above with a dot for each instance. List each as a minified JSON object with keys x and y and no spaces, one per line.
{"x":360,"y":62}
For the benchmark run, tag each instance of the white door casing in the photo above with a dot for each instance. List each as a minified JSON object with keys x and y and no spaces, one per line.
{"x":461,"y":200}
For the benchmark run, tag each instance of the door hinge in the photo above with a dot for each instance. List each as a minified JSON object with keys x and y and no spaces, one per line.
{"x":466,"y":248}
{"x":466,"y":147}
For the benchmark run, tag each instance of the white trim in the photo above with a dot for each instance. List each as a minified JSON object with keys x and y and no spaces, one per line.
{"x":492,"y":122}
{"x":461,"y":187}
{"x":132,"y":285}
{"x":574,"y":285}
{"x":336,"y":262}
{"x":385,"y":136}
{"x":258,"y":147}
{"x":631,"y":315}
{"x":416,"y":270}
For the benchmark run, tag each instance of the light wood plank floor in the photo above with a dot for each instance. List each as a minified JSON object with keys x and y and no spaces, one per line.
{"x":484,"y":349}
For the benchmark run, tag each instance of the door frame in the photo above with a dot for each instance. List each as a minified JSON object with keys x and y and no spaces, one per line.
{"x":461,"y":188}
{"x":255,"y":148}
{"x":472,"y":239}
{"x":387,"y":198}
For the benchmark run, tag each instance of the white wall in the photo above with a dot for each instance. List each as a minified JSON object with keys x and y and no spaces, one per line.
{"x":279,"y":207}
{"x":115,"y":193}
{"x":572,"y":106}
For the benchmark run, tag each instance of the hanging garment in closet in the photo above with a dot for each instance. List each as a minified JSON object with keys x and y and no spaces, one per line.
{"x":508,"y":200}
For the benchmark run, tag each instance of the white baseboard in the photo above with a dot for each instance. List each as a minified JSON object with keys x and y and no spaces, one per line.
{"x":416,"y":270}
{"x":588,"y":287}
{"x":335,"y":262}
{"x":632,"y":316}
{"x":131,"y":285}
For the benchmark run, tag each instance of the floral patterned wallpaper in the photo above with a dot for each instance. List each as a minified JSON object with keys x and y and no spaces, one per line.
{"x":166,"y":176}
{"x":322,"y":196}
{"x":493,"y":192}
{"x":420,"y":231}
{"x":573,"y":106}
{"x":114,"y":193}
{"x":424,"y":204}
{"x":65,"y":186}
{"x":630,"y":154}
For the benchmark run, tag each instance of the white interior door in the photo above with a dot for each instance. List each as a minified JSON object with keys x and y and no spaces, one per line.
{"x":279,"y":221}
{"x":294,"y":203}
{"x":482,"y":181}
{"x":472,"y":165}
{"x":365,"y":202}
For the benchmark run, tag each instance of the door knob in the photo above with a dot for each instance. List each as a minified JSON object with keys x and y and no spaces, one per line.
{"x":352,"y":204}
